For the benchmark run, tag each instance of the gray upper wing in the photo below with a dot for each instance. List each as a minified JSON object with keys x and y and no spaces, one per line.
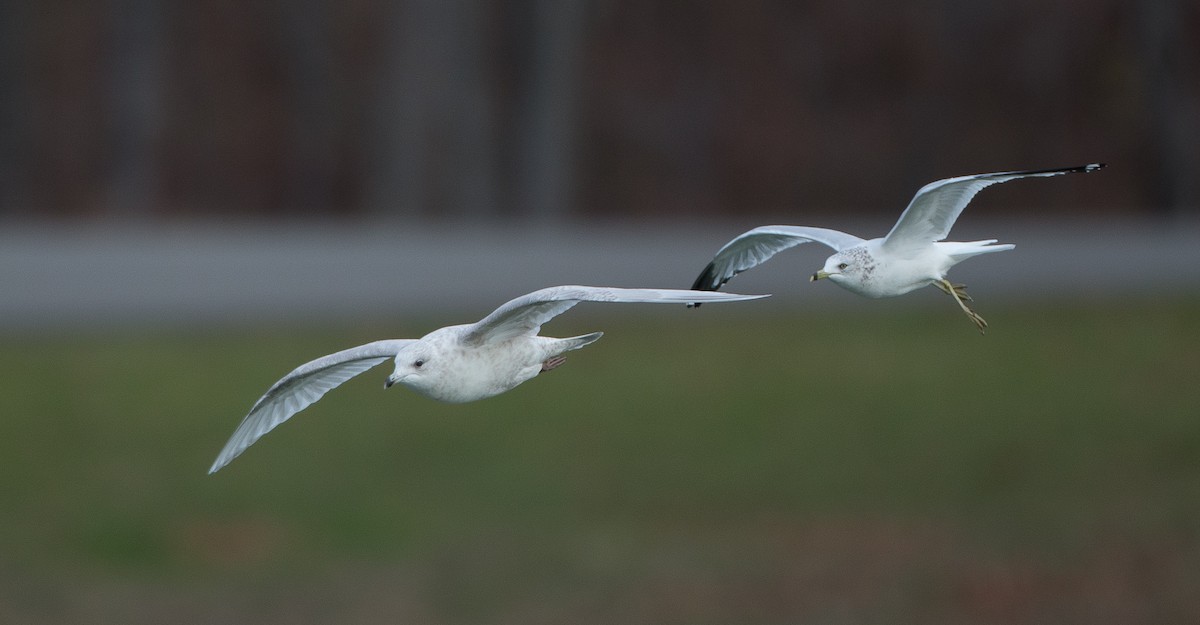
{"x":937,"y":205}
{"x":300,"y":388}
{"x":756,"y":246}
{"x":526,"y":314}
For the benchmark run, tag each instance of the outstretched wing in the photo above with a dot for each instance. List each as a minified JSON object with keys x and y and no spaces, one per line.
{"x":936,"y":206}
{"x":755,"y":247}
{"x":526,"y":314}
{"x":300,"y":388}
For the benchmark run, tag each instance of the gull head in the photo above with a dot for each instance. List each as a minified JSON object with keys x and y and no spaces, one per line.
{"x":439,"y":367}
{"x":847,"y":267}
{"x":836,"y":267}
{"x":416,"y":367}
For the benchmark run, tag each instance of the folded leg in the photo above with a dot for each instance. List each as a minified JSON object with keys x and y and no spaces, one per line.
{"x":958,"y":292}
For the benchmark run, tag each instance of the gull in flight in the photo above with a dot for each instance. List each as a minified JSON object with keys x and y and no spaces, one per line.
{"x":454,"y":364}
{"x":911,"y":256}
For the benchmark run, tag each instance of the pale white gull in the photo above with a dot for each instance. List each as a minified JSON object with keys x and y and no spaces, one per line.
{"x":911,"y":256}
{"x":455,"y":364}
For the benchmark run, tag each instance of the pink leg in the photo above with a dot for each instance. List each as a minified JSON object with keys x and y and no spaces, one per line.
{"x":553,"y":362}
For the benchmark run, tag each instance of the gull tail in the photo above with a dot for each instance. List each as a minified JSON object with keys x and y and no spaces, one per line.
{"x":961,"y":251}
{"x":575,"y":342}
{"x":558,"y":347}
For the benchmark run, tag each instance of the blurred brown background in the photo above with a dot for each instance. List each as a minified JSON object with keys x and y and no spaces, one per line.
{"x":564,"y":108}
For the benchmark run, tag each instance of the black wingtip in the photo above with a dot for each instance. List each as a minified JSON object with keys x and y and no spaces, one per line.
{"x":1090,"y":167}
{"x":1086,"y":169}
{"x":706,"y":281}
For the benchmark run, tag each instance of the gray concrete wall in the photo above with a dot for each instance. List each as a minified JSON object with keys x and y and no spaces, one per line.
{"x":180,"y":274}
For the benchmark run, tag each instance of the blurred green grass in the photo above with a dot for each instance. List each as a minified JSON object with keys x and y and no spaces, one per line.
{"x":725,"y":444}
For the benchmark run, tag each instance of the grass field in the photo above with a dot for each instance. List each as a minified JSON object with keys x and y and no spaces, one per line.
{"x":879,"y":464}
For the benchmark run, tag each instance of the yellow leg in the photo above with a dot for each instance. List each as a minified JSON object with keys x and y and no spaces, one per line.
{"x":958,"y":292}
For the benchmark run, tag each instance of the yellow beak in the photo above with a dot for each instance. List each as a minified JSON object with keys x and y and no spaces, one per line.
{"x":818,"y":276}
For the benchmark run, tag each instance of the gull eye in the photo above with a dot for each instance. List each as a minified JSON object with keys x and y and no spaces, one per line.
{"x":842,"y":265}
{"x":419,"y":363}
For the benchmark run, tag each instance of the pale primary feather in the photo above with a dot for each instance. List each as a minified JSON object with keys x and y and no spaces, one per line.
{"x":300,"y":388}
{"x":936,"y":206}
{"x":526,"y":314}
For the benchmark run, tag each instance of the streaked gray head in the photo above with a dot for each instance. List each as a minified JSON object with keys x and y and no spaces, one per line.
{"x":849,"y":266}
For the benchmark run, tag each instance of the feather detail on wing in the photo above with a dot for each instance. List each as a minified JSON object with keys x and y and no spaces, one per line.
{"x":300,"y":388}
{"x":756,"y":246}
{"x":937,"y":205}
{"x":526,"y":314}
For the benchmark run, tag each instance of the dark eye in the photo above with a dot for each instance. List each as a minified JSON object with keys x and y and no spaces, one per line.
{"x":842,"y":266}
{"x":418,"y":363}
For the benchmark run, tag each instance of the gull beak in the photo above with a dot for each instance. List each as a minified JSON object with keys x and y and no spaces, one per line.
{"x":391,"y":379}
{"x":818,"y":276}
